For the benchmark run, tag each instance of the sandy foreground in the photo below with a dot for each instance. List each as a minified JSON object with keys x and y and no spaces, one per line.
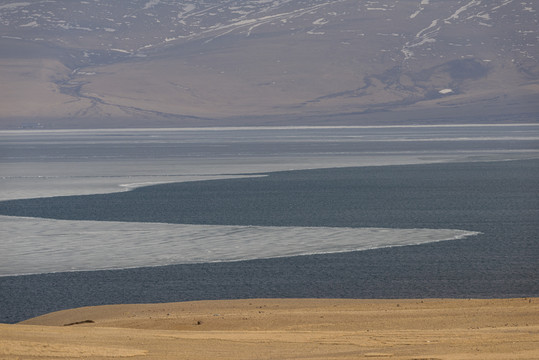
{"x":283,"y":329}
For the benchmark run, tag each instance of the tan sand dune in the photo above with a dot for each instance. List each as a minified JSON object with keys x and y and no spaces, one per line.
{"x":283,"y":329}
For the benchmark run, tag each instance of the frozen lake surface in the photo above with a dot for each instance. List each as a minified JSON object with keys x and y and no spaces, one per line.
{"x":37,"y":164}
{"x":60,"y":245}
{"x":41,"y":163}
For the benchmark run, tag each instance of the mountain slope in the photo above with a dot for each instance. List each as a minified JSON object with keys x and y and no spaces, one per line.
{"x":170,"y":63}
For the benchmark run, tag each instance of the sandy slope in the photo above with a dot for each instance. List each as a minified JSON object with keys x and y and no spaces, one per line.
{"x":284,"y":329}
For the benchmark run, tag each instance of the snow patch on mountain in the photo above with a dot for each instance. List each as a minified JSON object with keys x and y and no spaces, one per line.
{"x":426,"y":35}
{"x":457,"y":13}
{"x":14,"y":5}
{"x":150,"y":4}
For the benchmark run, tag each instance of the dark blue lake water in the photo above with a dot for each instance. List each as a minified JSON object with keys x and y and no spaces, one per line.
{"x":500,"y":199}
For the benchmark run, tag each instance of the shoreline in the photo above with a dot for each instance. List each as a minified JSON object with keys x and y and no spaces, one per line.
{"x":284,"y":328}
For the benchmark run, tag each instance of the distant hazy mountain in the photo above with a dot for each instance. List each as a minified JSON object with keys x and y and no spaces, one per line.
{"x":111,"y":63}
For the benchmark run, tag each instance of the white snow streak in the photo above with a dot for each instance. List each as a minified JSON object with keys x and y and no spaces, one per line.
{"x":14,"y":5}
{"x":462,"y":9}
{"x":150,"y":4}
{"x":424,"y":36}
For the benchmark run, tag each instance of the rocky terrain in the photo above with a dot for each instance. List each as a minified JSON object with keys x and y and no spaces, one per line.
{"x":144,"y":63}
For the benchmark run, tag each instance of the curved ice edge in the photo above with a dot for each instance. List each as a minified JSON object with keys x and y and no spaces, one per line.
{"x":116,"y":187}
{"x":187,"y":178}
{"x":124,"y":187}
{"x":232,"y":260}
{"x":228,"y":230}
{"x":456,"y":237}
